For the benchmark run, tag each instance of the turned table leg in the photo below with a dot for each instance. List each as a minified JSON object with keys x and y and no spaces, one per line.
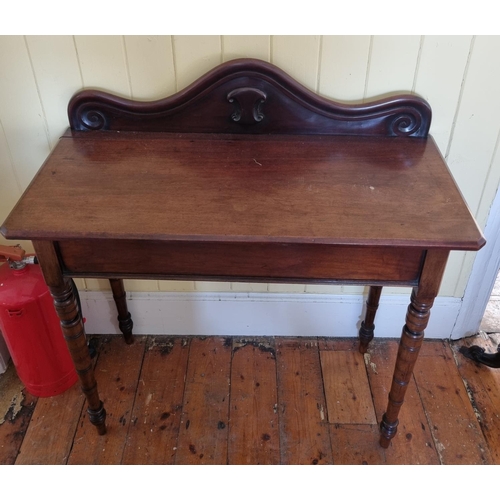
{"x":124,"y":318}
{"x":417,"y":317}
{"x":69,"y":313}
{"x":368,"y":325}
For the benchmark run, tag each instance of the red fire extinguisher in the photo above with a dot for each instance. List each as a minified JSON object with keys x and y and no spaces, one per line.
{"x":30,"y":326}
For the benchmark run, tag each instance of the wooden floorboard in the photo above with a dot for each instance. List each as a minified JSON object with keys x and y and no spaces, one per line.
{"x":156,"y":417}
{"x":50,"y":434}
{"x":348,"y":398}
{"x":279,"y":400}
{"x":304,"y":432}
{"x":454,"y":426}
{"x":203,"y":434}
{"x":254,"y":436}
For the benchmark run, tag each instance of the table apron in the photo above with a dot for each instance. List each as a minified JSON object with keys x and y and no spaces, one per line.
{"x":240,"y":261}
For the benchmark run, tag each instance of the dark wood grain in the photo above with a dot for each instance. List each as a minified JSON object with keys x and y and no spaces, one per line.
{"x":250,"y":96}
{"x":124,"y":318}
{"x":244,"y":261}
{"x":366,"y":331}
{"x":283,"y":189}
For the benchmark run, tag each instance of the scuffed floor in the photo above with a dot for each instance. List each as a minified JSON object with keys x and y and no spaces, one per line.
{"x":11,"y":390}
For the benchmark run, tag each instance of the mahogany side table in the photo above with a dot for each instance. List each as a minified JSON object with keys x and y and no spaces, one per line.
{"x":246,"y":175}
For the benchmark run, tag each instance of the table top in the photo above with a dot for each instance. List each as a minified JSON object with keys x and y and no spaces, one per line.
{"x":339,"y":190}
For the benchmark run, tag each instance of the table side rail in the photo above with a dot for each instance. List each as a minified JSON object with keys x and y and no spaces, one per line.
{"x":240,"y":261}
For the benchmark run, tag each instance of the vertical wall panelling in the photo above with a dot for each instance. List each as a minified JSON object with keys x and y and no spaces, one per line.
{"x":212,"y":286}
{"x":393,"y":64}
{"x":21,"y":113}
{"x":236,"y":46}
{"x":282,"y":288}
{"x":475,"y":137}
{"x":440,"y":75}
{"x":97,"y":284}
{"x":331,"y":289}
{"x":141,"y":285}
{"x":478,"y":122}
{"x":194,"y":56}
{"x":49,"y":55}
{"x":103,"y":64}
{"x":249,"y":287}
{"x":344,"y":62}
{"x":151,"y":66}
{"x":176,"y":286}
{"x":9,"y":186}
{"x":298,"y":56}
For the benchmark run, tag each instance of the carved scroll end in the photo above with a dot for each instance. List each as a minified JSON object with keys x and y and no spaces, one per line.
{"x":247,"y":102}
{"x":410,"y":121}
{"x":91,"y":110}
{"x":405,"y":124}
{"x":89,"y":118}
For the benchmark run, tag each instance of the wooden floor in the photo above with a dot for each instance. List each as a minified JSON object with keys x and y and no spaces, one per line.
{"x":261,"y":401}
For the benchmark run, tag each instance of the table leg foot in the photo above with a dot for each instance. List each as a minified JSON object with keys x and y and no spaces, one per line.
{"x":125,"y":322}
{"x":387,"y":431}
{"x":98,"y":418}
{"x":368,"y":325}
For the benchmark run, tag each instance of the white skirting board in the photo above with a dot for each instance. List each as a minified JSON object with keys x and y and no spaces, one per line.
{"x":259,"y":314}
{"x":255,"y":314}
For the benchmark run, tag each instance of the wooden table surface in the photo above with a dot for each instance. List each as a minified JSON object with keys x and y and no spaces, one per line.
{"x":243,"y":188}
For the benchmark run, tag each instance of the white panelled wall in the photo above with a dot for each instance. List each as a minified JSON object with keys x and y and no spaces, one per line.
{"x":458,"y":75}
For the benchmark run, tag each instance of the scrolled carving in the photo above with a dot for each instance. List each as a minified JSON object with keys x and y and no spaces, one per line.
{"x":248,"y":103}
{"x":263,"y":99}
{"x":406,"y":123}
{"x":92,"y":119}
